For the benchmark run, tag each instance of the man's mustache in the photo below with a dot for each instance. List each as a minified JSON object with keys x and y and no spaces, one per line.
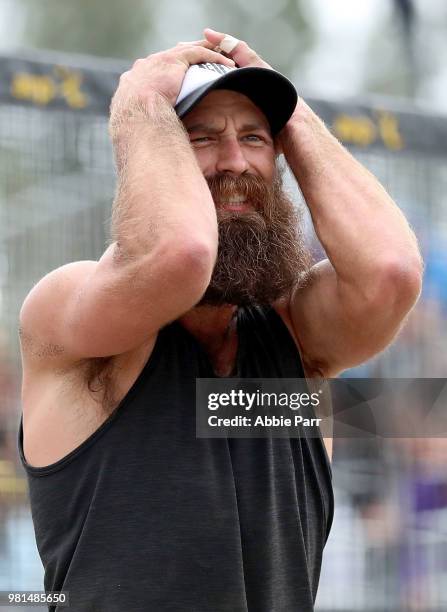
{"x":250,"y":187}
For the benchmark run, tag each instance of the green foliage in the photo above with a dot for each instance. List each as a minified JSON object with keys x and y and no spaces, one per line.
{"x":113,"y":28}
{"x":278,"y":30}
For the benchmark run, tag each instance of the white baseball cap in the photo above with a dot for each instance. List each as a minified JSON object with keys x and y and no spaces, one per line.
{"x":268,"y":89}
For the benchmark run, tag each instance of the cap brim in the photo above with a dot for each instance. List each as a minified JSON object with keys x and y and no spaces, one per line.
{"x":269,"y":90}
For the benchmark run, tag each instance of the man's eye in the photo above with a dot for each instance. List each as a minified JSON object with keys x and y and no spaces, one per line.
{"x":201,"y":139}
{"x":253,"y":138}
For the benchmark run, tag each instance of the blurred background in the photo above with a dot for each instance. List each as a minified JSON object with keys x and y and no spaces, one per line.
{"x":376,"y":72}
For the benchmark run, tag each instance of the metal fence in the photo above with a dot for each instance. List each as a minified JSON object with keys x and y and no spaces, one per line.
{"x":387,"y":550}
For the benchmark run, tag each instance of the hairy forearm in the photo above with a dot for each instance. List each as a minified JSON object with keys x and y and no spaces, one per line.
{"x":357,"y":222}
{"x":161,"y":194}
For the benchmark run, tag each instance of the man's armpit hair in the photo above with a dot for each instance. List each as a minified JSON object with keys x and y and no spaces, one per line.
{"x":97,"y":371}
{"x":99,"y":379}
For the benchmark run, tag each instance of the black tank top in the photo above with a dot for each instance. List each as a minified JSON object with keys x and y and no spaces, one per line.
{"x":145,"y":517}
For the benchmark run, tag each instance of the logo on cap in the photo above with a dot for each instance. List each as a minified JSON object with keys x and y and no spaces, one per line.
{"x":219,"y":68}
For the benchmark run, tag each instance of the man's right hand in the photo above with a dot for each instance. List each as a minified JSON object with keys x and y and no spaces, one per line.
{"x":161,"y":73}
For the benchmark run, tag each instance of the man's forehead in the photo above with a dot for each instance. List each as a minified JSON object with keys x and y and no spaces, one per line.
{"x":223,"y":102}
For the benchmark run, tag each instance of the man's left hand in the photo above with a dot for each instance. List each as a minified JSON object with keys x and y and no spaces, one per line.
{"x":242,"y":54}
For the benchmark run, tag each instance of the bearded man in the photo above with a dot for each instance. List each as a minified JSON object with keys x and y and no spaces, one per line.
{"x":206,"y":275}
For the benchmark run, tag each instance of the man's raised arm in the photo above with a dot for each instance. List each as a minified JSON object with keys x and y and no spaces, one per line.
{"x":351,"y":305}
{"x":164,"y":229}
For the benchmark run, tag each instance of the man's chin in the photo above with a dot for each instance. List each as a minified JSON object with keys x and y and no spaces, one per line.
{"x":229,"y":219}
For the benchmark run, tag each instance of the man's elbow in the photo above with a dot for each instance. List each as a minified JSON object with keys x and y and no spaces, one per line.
{"x":194,"y":260}
{"x":201,"y":257}
{"x":400,"y":283}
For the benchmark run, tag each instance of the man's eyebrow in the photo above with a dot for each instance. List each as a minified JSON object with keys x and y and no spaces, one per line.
{"x":210,"y":129}
{"x":202,"y":127}
{"x":256,"y":125}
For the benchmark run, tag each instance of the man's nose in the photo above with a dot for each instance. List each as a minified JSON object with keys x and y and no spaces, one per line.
{"x":231,"y":158}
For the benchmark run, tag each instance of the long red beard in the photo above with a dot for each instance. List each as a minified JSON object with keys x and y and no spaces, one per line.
{"x":261,"y":253}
